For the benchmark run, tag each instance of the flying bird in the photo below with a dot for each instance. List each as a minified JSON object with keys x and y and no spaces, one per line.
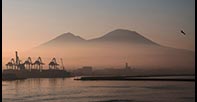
{"x":183,"y":32}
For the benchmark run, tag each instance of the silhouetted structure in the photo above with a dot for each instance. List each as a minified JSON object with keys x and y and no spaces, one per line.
{"x":17,"y":60}
{"x":38,"y":64}
{"x":28,"y":64}
{"x":53,"y":64}
{"x":86,"y":70}
{"x":62,"y":64}
{"x":19,"y":70}
{"x":127,"y":67}
{"x":11,"y":64}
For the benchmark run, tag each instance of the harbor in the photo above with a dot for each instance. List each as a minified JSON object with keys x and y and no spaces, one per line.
{"x":15,"y":69}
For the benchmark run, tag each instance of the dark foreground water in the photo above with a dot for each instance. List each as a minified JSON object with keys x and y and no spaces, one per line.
{"x":69,"y":90}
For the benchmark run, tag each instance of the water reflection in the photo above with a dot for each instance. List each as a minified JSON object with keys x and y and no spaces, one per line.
{"x":69,"y":90}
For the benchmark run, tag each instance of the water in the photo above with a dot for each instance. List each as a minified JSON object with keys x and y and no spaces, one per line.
{"x":69,"y":90}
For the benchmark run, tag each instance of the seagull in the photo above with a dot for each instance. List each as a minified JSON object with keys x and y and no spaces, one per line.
{"x":183,"y":32}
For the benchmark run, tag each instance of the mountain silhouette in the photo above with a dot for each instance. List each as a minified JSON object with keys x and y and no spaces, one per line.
{"x":124,"y":36}
{"x":115,"y":47}
{"x":63,"y":39}
{"x":116,"y":36}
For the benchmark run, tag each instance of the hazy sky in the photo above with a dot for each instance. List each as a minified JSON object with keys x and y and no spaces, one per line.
{"x":28,"y":23}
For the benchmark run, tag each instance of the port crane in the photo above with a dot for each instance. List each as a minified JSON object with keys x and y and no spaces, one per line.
{"x":53,"y":64}
{"x":62,"y":63}
{"x":38,"y":63}
{"x":28,"y":63}
{"x":11,"y":64}
{"x":18,"y":69}
{"x":18,"y":64}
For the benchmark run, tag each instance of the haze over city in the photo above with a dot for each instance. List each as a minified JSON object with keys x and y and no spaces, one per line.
{"x":30,"y":24}
{"x":98,"y":51}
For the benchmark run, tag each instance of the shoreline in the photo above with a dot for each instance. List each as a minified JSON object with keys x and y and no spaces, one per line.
{"x":134,"y":78}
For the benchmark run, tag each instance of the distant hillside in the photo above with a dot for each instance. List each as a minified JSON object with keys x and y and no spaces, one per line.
{"x":63,"y":39}
{"x":116,"y":36}
{"x":124,"y":36}
{"x":113,"y":49}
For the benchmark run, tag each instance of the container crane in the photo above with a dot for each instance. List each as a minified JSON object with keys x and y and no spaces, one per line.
{"x":62,"y":63}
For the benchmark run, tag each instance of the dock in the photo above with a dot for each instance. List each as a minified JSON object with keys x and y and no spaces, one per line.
{"x":16,"y":70}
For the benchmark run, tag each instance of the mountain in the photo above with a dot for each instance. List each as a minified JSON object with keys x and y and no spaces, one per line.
{"x":113,"y":49}
{"x":63,"y":39}
{"x":124,"y":36}
{"x":116,"y":36}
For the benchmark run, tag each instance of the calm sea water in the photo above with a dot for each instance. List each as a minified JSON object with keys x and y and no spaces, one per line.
{"x":69,"y":90}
